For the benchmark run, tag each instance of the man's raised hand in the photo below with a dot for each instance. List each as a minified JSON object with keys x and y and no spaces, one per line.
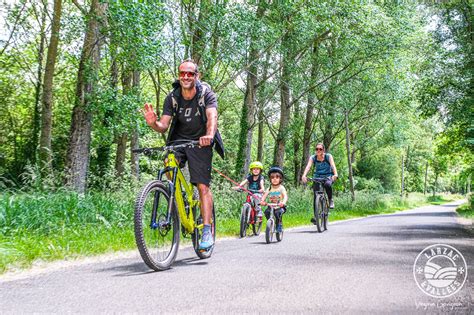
{"x":149,"y":114}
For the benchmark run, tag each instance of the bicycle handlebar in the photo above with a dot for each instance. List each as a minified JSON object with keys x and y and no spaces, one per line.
{"x":273,"y":205}
{"x":149,"y":151}
{"x":241,"y":189}
{"x":317,"y":179}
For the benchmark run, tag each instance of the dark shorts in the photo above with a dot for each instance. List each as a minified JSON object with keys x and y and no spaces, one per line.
{"x":200,"y":162}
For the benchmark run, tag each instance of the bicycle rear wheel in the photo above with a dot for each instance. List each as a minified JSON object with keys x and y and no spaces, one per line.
{"x":269,"y":231}
{"x":198,"y":232}
{"x":243,"y":219}
{"x":157,"y":238}
{"x":317,"y":204}
{"x":257,"y":226}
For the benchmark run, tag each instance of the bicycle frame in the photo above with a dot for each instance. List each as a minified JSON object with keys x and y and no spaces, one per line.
{"x":176,"y":185}
{"x":253,"y":203}
{"x":320,"y":189}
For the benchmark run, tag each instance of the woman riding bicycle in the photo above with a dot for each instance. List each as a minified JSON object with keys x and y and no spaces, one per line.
{"x":324,"y":168}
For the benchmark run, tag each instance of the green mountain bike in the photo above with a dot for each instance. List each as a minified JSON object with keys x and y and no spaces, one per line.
{"x":167,"y":208}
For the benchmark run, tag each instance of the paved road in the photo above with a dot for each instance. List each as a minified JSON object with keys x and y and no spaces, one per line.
{"x":357,"y":266}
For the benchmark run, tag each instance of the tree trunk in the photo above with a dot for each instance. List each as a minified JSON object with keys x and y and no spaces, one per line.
{"x":134,"y":143}
{"x":120,"y":155}
{"x":348,"y":149}
{"x":77,"y":162}
{"x":308,"y":124}
{"x":260,"y":109}
{"x":249,"y":111}
{"x":435,"y":185}
{"x":157,"y":87}
{"x":33,"y":143}
{"x":296,"y":138}
{"x":279,"y":153}
{"x":247,"y":122}
{"x":198,"y":27}
{"x":45,"y":150}
{"x":426,"y":178}
{"x":104,"y":149}
{"x":403,"y":177}
{"x":468,"y":188}
{"x":308,"y":128}
{"x":260,"y":135}
{"x":122,"y":138}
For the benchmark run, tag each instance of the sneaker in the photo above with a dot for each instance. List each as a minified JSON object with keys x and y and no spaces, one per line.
{"x":206,"y":241}
{"x":279,"y":228}
{"x":331,"y":204}
{"x":313,"y":220}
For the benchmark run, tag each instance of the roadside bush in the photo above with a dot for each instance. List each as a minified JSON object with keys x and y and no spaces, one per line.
{"x":368,"y":185}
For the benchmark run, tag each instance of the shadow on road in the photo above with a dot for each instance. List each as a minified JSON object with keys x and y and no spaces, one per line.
{"x":425,"y":214}
{"x":307,"y":231}
{"x":140,"y":268}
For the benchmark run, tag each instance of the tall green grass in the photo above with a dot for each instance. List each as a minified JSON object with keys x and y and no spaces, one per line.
{"x":50,"y":226}
{"x":467,"y":210}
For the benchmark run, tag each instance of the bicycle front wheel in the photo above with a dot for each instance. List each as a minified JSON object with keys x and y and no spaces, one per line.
{"x":269,"y":231}
{"x":318,"y":208}
{"x":156,"y":232}
{"x":279,"y":236}
{"x":325,"y":214}
{"x":243,"y":219}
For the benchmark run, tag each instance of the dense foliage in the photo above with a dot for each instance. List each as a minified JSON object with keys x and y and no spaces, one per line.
{"x":287,"y":74}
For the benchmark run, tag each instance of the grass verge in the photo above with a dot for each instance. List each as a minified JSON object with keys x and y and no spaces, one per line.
{"x":467,"y":210}
{"x":63,"y":225}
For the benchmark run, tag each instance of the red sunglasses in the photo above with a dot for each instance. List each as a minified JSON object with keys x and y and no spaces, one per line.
{"x":319,"y":149}
{"x":183,"y":74}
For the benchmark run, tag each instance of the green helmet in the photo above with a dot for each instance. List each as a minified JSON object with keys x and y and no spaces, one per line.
{"x":256,"y":164}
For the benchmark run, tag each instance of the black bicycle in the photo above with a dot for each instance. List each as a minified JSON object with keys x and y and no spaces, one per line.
{"x":320,"y":204}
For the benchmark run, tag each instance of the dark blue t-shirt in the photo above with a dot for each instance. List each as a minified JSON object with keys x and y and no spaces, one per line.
{"x":254,"y":185}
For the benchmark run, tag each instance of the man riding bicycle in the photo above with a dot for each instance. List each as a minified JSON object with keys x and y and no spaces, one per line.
{"x":191,"y":111}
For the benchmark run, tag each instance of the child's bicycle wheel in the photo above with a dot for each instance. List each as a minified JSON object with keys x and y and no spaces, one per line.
{"x":157,"y":239}
{"x":198,"y":233}
{"x":244,"y":219}
{"x":257,"y":227}
{"x":269,"y":230}
{"x":279,"y":236}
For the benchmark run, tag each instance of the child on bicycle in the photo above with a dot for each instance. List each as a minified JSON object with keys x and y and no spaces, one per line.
{"x":277,"y":195}
{"x":255,"y":182}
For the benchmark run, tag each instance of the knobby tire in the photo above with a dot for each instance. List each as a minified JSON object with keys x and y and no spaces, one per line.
{"x":244,"y":214}
{"x":158,"y":246}
{"x":269,"y":231}
{"x":317,"y":211}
